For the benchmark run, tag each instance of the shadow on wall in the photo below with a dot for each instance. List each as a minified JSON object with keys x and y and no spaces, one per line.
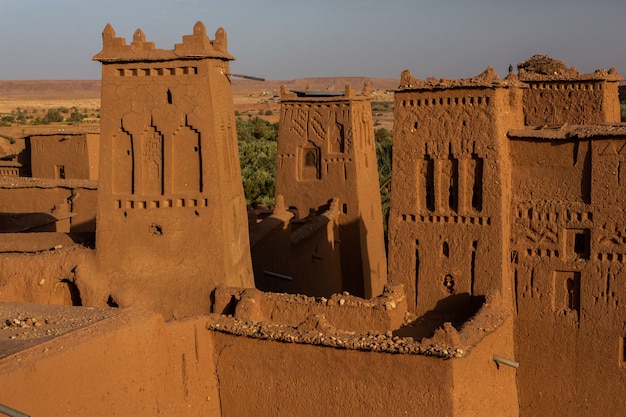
{"x":27,"y":222}
{"x":298,"y":256}
{"x":82,"y":233}
{"x":455,"y":309}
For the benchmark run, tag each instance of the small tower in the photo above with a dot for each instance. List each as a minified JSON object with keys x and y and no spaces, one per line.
{"x":561,"y":95}
{"x":449,"y":219}
{"x":172,"y":221}
{"x":326,"y":150}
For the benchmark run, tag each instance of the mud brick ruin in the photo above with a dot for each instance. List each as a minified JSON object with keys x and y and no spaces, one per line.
{"x":501,"y":294}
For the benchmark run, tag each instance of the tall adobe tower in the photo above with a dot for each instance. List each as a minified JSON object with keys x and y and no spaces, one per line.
{"x":448,"y":225}
{"x":326,"y":150}
{"x":172,"y":220}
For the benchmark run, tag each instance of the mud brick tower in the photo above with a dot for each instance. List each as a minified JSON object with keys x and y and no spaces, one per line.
{"x":558,"y":94}
{"x":171,"y":219}
{"x":449,"y":226}
{"x":326,"y":150}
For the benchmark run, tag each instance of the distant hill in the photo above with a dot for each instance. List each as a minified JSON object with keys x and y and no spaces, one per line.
{"x":49,"y":88}
{"x":91,"y":88}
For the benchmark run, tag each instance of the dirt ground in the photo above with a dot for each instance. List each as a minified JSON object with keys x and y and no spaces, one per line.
{"x":25,"y":325}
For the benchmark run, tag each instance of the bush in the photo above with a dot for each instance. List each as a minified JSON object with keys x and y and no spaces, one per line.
{"x":7,"y":120}
{"x":382,"y":135}
{"x":622,"y":107}
{"x":52,"y":116}
{"x":76,"y":116}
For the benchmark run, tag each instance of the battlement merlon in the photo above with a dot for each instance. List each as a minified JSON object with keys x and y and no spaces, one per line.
{"x":488,"y":79}
{"x":194,"y":46}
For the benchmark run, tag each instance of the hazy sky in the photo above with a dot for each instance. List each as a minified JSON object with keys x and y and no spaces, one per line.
{"x":286,"y":39}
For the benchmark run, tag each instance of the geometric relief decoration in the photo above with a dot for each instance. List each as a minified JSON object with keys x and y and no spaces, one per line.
{"x":336,"y":138}
{"x":309,"y":162}
{"x":123,"y":164}
{"x":614,"y":147}
{"x":316,"y":128}
{"x":186,"y":161}
{"x":152,"y":162}
{"x":541,"y":234}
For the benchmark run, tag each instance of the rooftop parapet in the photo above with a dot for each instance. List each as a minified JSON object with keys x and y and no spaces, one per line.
{"x":544,"y":68}
{"x":194,"y":46}
{"x":325,"y":95}
{"x":488,"y":79}
{"x":597,"y":75}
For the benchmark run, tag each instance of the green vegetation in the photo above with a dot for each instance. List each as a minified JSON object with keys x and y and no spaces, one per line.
{"x":384,"y":153}
{"x":256,"y":128}
{"x":7,"y":121}
{"x":77,"y":116}
{"x":17,"y":116}
{"x":622,"y":106}
{"x":257,"y":155}
{"x":52,"y":116}
{"x":380,"y":106}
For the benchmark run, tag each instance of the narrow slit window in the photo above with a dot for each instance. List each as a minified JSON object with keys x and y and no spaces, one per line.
{"x":60,"y":172}
{"x":445,"y":249}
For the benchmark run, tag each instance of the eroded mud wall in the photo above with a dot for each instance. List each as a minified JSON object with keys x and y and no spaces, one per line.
{"x":567,"y":261}
{"x":40,"y":273}
{"x":131,"y":365}
{"x":482,"y":386}
{"x":290,"y":379}
{"x":65,"y":156}
{"x":34,"y":196}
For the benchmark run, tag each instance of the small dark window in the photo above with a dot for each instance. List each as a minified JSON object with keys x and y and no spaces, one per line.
{"x":169,"y":97}
{"x":445,"y":249}
{"x":581,"y":245}
{"x":310,"y":159}
{"x":573,"y":294}
{"x":60,"y":172}
{"x":622,"y":351}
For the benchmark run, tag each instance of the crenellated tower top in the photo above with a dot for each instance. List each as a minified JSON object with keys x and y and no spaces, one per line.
{"x":194,"y":46}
